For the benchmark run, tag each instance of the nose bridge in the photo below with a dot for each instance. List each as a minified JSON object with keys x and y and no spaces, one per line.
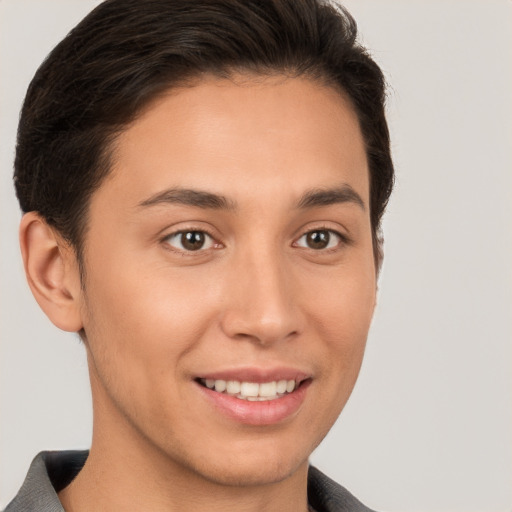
{"x":260,"y":303}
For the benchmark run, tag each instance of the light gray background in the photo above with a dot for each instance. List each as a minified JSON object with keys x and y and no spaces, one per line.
{"x":429,"y":426}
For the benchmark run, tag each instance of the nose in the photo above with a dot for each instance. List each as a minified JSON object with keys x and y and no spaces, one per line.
{"x":260,"y":301}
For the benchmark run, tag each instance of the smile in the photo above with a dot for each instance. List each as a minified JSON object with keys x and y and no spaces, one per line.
{"x":251,"y":391}
{"x":253,"y":396}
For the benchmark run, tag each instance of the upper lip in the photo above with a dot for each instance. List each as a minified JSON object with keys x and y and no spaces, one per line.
{"x":258,"y":375}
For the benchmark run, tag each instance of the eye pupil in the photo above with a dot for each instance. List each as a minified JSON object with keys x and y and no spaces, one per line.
{"x":318,"y":239}
{"x":192,"y":240}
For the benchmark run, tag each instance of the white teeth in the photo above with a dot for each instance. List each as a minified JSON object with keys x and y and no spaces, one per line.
{"x":233,"y":387}
{"x":220,"y":385}
{"x":249,"y":389}
{"x":252,"y":391}
{"x":281,"y":387}
{"x":268,"y":389}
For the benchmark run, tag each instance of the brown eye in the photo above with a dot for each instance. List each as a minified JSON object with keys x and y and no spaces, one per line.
{"x":190,"y":241}
{"x":319,"y":239}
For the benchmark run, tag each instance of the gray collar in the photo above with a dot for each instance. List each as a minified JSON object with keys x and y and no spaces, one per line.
{"x":49,"y":473}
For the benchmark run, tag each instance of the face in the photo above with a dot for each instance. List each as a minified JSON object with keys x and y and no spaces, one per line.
{"x":230,"y":280}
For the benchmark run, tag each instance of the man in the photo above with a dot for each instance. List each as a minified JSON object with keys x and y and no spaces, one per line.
{"x":203,"y":184}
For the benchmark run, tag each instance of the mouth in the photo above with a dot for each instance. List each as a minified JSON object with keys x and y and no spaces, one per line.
{"x":255,"y":398}
{"x":253,"y":391}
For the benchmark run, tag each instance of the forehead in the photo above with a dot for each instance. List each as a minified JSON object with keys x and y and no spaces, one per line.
{"x":219,"y":133}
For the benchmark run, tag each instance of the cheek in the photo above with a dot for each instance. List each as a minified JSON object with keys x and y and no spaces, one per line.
{"x":344,"y":303}
{"x":139,"y":333}
{"x":146,"y":320}
{"x":341,"y":314}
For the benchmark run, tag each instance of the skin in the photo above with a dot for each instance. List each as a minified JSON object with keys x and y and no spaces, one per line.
{"x":156,"y":316}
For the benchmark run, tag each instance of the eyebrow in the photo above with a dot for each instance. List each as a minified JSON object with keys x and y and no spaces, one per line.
{"x":208,"y":200}
{"x":326,"y":197}
{"x":189,"y":197}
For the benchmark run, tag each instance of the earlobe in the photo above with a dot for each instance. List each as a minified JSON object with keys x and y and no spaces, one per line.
{"x":52,"y":272}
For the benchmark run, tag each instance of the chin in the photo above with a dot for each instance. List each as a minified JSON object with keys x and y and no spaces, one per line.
{"x":247,"y":473}
{"x":253,"y":462}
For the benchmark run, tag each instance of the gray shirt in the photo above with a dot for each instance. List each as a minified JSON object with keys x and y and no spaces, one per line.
{"x":50,"y":472}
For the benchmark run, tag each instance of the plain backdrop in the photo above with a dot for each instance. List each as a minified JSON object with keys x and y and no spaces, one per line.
{"x":429,"y":426}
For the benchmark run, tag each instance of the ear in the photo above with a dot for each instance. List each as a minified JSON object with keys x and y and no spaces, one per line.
{"x":52,"y":272}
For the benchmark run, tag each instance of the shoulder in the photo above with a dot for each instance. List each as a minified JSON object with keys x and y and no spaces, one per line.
{"x":325,"y":495}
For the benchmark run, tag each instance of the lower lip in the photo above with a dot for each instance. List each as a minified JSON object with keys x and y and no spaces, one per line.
{"x":268,"y":412}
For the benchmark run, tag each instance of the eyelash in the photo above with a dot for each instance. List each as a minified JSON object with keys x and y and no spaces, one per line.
{"x":342,"y":240}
